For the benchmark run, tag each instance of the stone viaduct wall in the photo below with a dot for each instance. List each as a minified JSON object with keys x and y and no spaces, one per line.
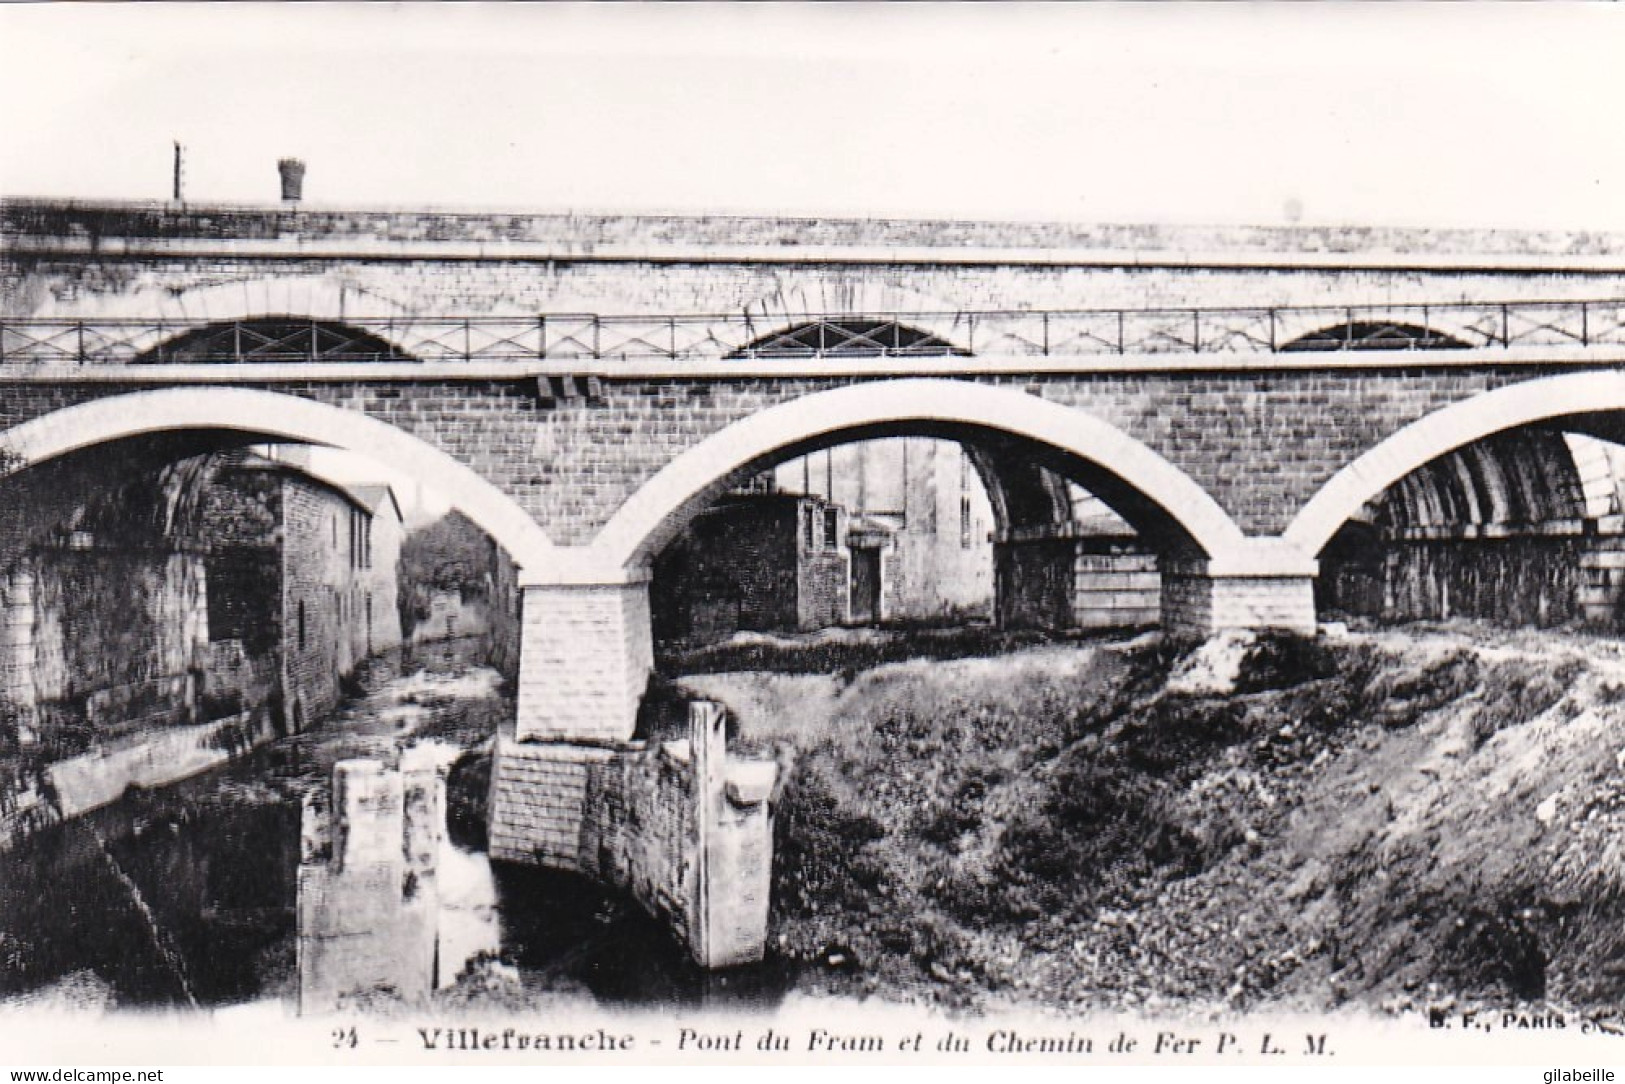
{"x":1235,"y":465}
{"x":1262,"y":445}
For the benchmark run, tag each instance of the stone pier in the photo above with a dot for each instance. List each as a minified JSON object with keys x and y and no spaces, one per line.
{"x":682,"y":826}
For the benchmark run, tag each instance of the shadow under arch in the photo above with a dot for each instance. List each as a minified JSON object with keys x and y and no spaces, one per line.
{"x":1374,"y":335}
{"x":854,"y":337}
{"x":1120,"y":469}
{"x":273,"y":416}
{"x":1529,"y":402}
{"x":273,"y":339}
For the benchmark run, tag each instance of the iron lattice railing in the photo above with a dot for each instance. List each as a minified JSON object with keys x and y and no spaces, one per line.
{"x":1027,"y":333}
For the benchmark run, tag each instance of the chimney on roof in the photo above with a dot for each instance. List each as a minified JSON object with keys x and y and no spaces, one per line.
{"x":293,"y":179}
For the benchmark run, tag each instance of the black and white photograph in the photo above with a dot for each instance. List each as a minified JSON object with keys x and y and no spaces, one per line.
{"x":812,"y":535}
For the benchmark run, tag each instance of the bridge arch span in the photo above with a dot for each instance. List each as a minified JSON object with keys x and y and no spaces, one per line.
{"x":273,"y":416}
{"x":654,"y":514}
{"x":1436,"y":435}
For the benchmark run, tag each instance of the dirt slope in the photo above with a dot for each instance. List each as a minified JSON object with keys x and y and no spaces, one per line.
{"x":1388,"y":818}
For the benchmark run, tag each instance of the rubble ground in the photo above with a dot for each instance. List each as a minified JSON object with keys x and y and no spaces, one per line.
{"x":1385,"y":818}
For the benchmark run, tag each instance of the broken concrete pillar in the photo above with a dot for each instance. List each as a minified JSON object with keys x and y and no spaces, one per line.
{"x":734,"y":845}
{"x":367,"y":896}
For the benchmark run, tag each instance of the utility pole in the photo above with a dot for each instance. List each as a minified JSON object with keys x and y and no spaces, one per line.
{"x":178,"y":156}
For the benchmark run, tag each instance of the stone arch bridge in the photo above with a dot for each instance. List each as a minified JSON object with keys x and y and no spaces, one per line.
{"x":582,"y":386}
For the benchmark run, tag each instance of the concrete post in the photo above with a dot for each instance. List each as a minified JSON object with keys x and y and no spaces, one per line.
{"x":734,"y":848}
{"x":708,"y":744}
{"x":585,"y":654}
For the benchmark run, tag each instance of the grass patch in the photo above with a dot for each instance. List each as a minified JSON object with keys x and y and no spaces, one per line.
{"x":847,"y":652}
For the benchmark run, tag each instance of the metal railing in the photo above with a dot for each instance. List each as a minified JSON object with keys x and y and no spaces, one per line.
{"x":1020,"y":333}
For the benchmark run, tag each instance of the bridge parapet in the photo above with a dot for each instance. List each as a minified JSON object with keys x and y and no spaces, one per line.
{"x":577,"y":337}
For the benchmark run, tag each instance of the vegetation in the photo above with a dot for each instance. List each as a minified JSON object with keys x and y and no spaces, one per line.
{"x":449,"y":555}
{"x":1386,"y":819}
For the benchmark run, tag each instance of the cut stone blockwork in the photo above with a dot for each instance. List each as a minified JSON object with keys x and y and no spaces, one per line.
{"x":1197,"y":604}
{"x":683,"y":827}
{"x":585,"y":656}
{"x":368,"y":899}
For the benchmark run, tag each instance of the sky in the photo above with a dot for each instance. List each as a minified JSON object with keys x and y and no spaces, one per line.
{"x":1428,"y":115}
{"x":1319,"y":114}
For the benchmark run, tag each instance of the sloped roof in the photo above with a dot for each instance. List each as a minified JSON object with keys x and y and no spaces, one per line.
{"x":373,"y":496}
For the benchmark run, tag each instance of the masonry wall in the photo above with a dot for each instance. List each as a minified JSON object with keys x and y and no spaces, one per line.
{"x":1519,"y":579}
{"x":943,"y":567}
{"x":148,"y":644}
{"x":1194,"y":604}
{"x":569,"y":462}
{"x":110,"y":676}
{"x":761,"y":562}
{"x":1117,"y":586}
{"x":239,"y":517}
{"x":316,"y":647}
{"x":684,"y":829}
{"x":584,"y":661}
{"x":145,"y":285}
{"x":1036,"y":583}
{"x":625,"y":817}
{"x":822,"y":589}
{"x":373,"y":611}
{"x":753,"y":547}
{"x":117,"y":643}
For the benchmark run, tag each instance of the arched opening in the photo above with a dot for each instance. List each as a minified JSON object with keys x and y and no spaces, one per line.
{"x":1495,"y":531}
{"x":967,"y":468}
{"x":43,"y":454}
{"x":278,"y":339}
{"x":1374,"y":335}
{"x":849,"y":337}
{"x":1148,"y":491}
{"x":179,"y":569}
{"x":1503,"y":508}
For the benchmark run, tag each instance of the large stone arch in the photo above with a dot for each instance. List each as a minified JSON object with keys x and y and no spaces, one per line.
{"x":1437,"y":434}
{"x":276,"y":417}
{"x":656,"y":512}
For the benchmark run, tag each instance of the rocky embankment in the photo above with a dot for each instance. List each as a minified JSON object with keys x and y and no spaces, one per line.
{"x":1385,"y":818}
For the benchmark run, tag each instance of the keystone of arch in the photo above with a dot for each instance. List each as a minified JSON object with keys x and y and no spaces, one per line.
{"x":279,"y":417}
{"x":653,"y":515}
{"x":1442,"y":432}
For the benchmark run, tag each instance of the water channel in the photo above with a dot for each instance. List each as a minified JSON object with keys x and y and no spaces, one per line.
{"x":185,"y":896}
